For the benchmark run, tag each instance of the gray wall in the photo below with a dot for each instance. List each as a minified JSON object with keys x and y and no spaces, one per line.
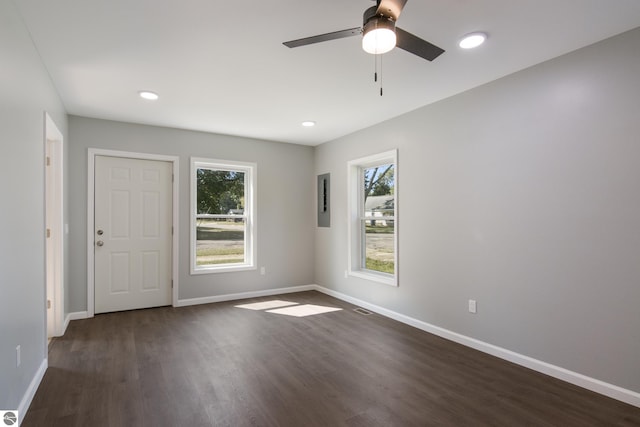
{"x":523,"y":194}
{"x":285,"y":213}
{"x":25,"y":94}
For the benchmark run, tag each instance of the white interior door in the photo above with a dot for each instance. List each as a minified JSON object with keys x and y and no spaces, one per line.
{"x":133,"y":220}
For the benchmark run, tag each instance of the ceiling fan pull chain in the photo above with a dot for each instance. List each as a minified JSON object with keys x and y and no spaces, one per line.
{"x":380,"y":74}
{"x":375,"y":72}
{"x":375,"y":68}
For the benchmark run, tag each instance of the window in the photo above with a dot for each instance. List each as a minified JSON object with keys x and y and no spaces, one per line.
{"x":373,"y":218}
{"x":222,"y":216}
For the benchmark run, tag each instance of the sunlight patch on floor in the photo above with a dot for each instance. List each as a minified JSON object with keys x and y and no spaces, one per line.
{"x":304,"y":310}
{"x":288,"y":308}
{"x":265,"y":305}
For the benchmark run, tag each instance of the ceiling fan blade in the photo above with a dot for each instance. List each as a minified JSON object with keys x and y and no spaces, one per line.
{"x":324,"y":37}
{"x":391,"y":8}
{"x":416,"y":45}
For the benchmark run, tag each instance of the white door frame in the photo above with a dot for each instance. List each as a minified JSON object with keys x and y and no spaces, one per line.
{"x":174,"y":160}
{"x":54,"y":219}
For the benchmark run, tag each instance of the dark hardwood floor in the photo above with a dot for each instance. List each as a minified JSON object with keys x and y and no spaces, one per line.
{"x":217,"y":365}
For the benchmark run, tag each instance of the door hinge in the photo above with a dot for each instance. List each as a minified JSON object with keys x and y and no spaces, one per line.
{"x":48,"y":303}
{"x":48,"y":233}
{"x":172,"y":230}
{"x":173,"y":178}
{"x":48,"y":161}
{"x":171,"y":283}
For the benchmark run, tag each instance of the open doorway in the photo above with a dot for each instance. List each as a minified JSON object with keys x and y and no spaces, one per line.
{"x":54,"y":228}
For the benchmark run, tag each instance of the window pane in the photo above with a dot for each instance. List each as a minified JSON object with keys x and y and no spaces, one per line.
{"x":378,"y":233}
{"x":220,"y":241}
{"x":379,"y":190}
{"x":379,"y":245}
{"x":220,"y":192}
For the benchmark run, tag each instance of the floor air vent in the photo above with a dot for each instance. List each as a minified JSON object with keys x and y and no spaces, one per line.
{"x":362,"y":311}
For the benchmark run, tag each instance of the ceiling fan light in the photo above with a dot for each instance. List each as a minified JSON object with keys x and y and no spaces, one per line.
{"x":379,"y":36}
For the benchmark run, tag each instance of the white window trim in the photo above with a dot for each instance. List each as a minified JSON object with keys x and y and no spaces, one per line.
{"x":355,"y":238}
{"x":251,"y":172}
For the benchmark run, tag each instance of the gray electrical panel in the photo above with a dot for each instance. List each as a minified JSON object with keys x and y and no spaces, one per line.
{"x":324,"y":204}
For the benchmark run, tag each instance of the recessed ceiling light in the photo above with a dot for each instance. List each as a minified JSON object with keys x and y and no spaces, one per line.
{"x":308,"y":123}
{"x":472,"y":40}
{"x":145,"y":94}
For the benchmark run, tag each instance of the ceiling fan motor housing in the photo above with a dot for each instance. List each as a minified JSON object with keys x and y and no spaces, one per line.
{"x":371,"y":19}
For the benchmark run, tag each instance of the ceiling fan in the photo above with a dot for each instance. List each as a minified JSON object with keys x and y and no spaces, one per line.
{"x":380,"y":33}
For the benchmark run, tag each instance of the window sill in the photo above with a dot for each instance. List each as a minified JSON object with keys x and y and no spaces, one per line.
{"x":386,"y":279}
{"x":225,"y":269}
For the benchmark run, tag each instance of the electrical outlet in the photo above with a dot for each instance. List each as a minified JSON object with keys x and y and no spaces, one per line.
{"x":263,"y":271}
{"x":18,"y":356}
{"x":472,"y":306}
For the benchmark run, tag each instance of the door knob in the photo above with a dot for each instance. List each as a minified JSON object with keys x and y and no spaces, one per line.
{"x":99,"y":243}
{"x":100,"y":232}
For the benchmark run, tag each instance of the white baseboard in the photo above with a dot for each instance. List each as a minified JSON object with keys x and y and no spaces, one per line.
{"x":601,"y":387}
{"x":31,"y":390}
{"x":73,"y":316}
{"x":244,"y":295}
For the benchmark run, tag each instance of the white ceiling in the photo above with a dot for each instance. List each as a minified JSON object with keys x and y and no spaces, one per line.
{"x":220,"y":66}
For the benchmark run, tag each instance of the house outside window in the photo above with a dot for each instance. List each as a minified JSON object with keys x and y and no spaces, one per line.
{"x":373,"y":214}
{"x":222,"y":216}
